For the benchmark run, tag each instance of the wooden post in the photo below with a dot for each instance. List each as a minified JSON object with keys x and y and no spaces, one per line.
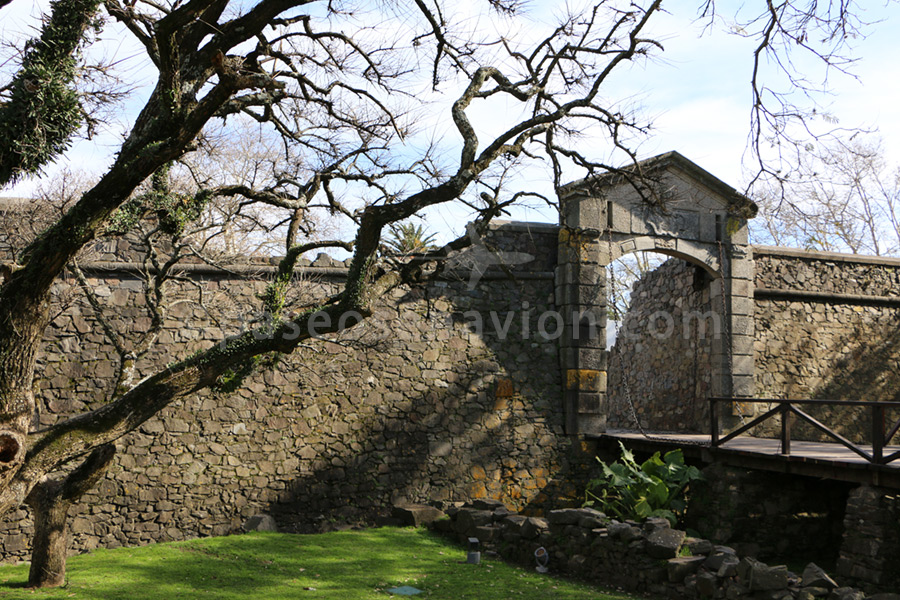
{"x":877,"y":434}
{"x":786,"y":418}
{"x":713,"y":422}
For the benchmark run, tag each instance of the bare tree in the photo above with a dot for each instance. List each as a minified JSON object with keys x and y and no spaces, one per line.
{"x":844,"y":198}
{"x":344,"y":98}
{"x":785,"y":112}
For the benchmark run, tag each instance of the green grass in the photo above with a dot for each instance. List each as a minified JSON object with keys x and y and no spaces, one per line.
{"x":352,"y":565}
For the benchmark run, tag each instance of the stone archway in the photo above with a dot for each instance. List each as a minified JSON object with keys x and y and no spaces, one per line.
{"x":669,"y":205}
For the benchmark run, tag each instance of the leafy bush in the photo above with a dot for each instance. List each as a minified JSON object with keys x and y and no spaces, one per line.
{"x":655,"y":488}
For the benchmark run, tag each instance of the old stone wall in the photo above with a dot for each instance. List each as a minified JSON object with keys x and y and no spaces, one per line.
{"x":871,"y":546}
{"x":660,"y":363}
{"x":447,"y":394}
{"x":740,"y":508}
{"x":650,"y":558}
{"x":826,"y":327}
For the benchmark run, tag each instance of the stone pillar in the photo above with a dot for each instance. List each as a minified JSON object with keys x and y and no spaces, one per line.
{"x":870,"y":550}
{"x":736,"y":348}
{"x":581,"y":298}
{"x":740,"y":308}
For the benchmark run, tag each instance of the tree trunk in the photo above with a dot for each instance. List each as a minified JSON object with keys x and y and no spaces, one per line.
{"x":50,"y":501}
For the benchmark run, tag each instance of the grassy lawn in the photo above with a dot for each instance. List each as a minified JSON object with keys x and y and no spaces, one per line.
{"x":347,"y":565}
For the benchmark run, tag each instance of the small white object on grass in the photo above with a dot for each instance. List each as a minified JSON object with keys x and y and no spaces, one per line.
{"x":405,"y":590}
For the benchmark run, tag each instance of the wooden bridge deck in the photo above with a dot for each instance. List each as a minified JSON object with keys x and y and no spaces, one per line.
{"x":814,"y":459}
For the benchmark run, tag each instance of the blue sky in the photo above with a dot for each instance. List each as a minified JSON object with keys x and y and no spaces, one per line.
{"x":705,"y":98}
{"x":697,"y":92}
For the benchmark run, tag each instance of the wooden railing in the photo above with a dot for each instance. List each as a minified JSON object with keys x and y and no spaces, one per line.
{"x":788,"y":410}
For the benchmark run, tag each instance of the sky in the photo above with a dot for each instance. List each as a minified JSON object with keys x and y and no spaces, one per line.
{"x":704,"y":110}
{"x":698,"y":96}
{"x":697,"y":93}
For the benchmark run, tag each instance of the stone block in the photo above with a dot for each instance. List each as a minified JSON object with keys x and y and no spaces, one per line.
{"x":655,"y":524}
{"x":678,"y":569}
{"x":564,"y":516}
{"x":501,"y":512}
{"x":742,"y":326}
{"x":719,"y":555}
{"x":741,"y":344}
{"x":815,"y":576}
{"x":583,"y":337}
{"x":743,"y":364}
{"x":486,"y":533}
{"x":707,"y":227}
{"x":587,"y":274}
{"x":741,"y":287}
{"x":623,"y":531}
{"x":593,"y":522}
{"x":441,"y":525}
{"x":758,"y":576}
{"x":467,"y":519}
{"x":707,"y":585}
{"x":588,"y":317}
{"x":585,"y":295}
{"x":743,"y":386}
{"x":439,"y":448}
{"x":585,"y":358}
{"x":585,"y":212}
{"x":742,"y":268}
{"x":578,"y":246}
{"x":383,"y":521}
{"x":704,"y":253}
{"x":488,"y":504}
{"x":664,"y":543}
{"x":591,"y":424}
{"x":416,"y":515}
{"x":588,"y":403}
{"x":260,"y":522}
{"x":533,"y":527}
{"x":576,"y":564}
{"x":698,"y":546}
{"x":585,"y":380}
{"x":729,"y":567}
{"x":846,"y":593}
{"x":620,"y":217}
{"x":742,"y":235}
{"x":743,"y":305}
{"x":513,"y":523}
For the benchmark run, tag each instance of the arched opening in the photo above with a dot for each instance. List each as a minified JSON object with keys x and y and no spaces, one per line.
{"x":664,"y":357}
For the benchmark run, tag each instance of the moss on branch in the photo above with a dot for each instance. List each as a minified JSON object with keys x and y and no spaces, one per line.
{"x":44,"y":111}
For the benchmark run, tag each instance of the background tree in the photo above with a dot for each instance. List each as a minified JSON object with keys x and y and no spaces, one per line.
{"x":843,"y":198}
{"x":345,"y":100}
{"x":410,"y":238}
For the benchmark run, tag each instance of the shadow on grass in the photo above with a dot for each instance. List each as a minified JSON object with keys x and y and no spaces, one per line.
{"x":342,"y":565}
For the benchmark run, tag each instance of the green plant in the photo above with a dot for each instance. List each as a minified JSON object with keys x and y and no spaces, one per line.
{"x":407,"y":238}
{"x":654,"y":488}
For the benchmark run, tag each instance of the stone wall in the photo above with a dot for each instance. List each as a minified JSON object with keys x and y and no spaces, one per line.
{"x":871,"y":548}
{"x":826,"y":327}
{"x":651,"y":558}
{"x":740,"y":508}
{"x":660,"y":363}
{"x":422,"y":402}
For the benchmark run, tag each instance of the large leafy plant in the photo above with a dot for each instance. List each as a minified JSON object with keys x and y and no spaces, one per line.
{"x":654,"y":488}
